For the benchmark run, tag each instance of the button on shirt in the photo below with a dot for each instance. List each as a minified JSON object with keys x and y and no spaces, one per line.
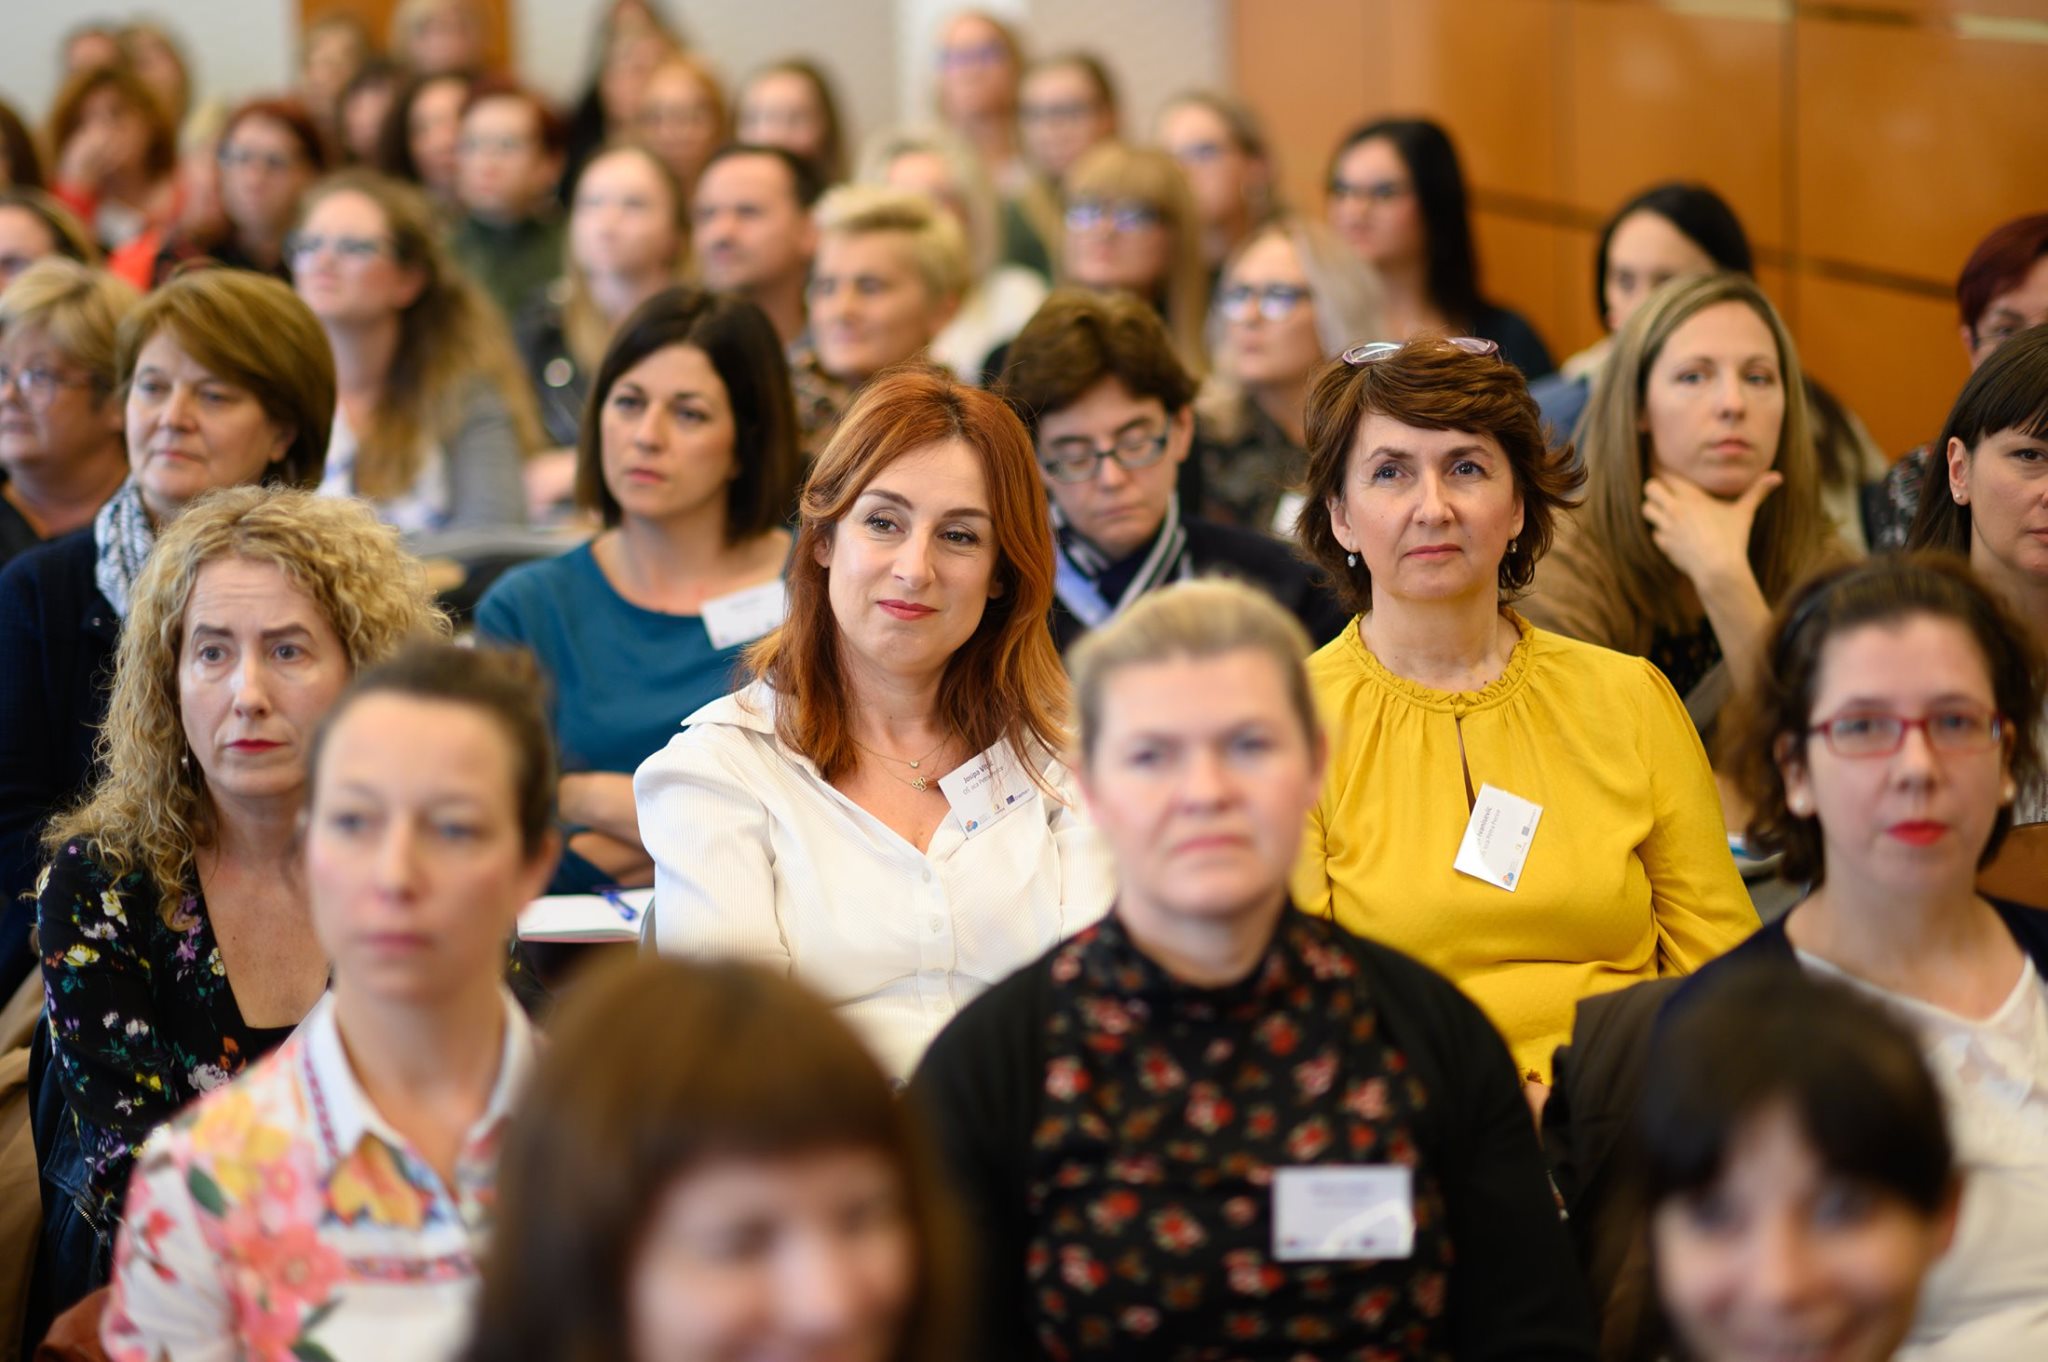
{"x":283,"y":1217}
{"x":757,"y":857}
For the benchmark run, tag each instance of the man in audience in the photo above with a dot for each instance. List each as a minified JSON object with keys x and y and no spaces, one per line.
{"x":507,"y":162}
{"x":752,"y":230}
{"x":1095,"y":379}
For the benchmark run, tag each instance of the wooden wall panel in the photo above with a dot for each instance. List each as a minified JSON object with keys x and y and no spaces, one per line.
{"x":1892,"y":356}
{"x":1304,"y":66}
{"x":1519,"y":267}
{"x":375,"y":15}
{"x":1914,"y":142}
{"x":1658,"y":95}
{"x":1483,"y":69}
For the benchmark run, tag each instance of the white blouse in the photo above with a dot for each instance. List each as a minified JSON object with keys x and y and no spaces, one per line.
{"x":757,"y":857}
{"x":1987,"y":1299}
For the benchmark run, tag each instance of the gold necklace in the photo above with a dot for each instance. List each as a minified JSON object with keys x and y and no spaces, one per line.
{"x":919,"y":783}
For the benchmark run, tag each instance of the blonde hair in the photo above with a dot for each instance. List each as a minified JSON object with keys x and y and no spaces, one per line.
{"x":1194,"y":620}
{"x":1113,"y":171}
{"x":1792,"y":532}
{"x":937,"y":245}
{"x":970,"y":184}
{"x":585,"y":330}
{"x":150,"y":811}
{"x":450,"y":336}
{"x":77,"y":308}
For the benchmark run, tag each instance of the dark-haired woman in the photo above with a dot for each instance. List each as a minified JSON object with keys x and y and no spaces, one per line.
{"x":1532,"y":816}
{"x":690,"y":461}
{"x":689,"y":1202}
{"x":1396,"y":194}
{"x":1797,"y":1172}
{"x":1882,"y":753}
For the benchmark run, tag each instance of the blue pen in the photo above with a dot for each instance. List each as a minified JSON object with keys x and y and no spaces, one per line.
{"x":618,"y":901}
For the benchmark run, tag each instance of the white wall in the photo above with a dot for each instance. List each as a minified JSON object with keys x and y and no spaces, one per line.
{"x":236,"y":47}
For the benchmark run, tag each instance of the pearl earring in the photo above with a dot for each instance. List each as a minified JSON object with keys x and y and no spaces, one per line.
{"x":1351,"y":560}
{"x":1512,"y":543}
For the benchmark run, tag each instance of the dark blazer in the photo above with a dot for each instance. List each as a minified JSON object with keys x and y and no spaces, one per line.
{"x":57,"y":638}
{"x":1265,"y":562}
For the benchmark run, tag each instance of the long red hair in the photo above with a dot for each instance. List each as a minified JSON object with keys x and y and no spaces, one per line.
{"x":1005,"y":681}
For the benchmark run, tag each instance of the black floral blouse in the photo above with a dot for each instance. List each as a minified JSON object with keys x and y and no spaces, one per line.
{"x":141,"y":1014}
{"x":1685,"y":659}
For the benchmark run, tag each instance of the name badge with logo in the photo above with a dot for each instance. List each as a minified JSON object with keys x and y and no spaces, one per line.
{"x":1497,"y":838}
{"x":1343,"y":1211}
{"x":987,"y":789}
{"x":743,"y":616}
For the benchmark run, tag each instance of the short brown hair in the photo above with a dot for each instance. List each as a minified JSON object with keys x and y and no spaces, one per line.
{"x":250,"y":330}
{"x":1079,"y":337}
{"x":76,"y":308}
{"x":550,"y":133}
{"x":1435,"y":386}
{"x":159,"y":157}
{"x":756,"y":1068}
{"x":1773,"y":724}
{"x":1005,"y":682}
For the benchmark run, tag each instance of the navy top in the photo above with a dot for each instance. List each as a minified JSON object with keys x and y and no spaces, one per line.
{"x":624,"y":678}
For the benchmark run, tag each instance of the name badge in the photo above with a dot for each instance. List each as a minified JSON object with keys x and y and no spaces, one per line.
{"x":743,"y":616}
{"x":1497,"y":838}
{"x":987,"y":789}
{"x":1343,"y":1211}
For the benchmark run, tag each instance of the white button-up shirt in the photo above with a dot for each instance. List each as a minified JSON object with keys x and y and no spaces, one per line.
{"x":757,"y":857}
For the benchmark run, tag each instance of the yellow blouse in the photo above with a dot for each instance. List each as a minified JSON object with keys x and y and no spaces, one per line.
{"x":1628,"y":875}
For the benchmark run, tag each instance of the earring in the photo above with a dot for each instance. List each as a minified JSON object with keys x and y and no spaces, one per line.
{"x":1799,"y":806}
{"x":1512,"y":543}
{"x":1351,"y":560}
{"x":2009,"y":793}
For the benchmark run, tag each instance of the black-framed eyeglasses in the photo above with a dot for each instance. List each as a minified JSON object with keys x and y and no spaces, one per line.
{"x":1126,"y":215}
{"x":1956,"y":729}
{"x":1078,"y":461}
{"x":1274,"y":302}
{"x":1372,"y":192}
{"x":1378,"y":350}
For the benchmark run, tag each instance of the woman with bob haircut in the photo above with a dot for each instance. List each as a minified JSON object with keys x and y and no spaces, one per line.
{"x":791,"y":105}
{"x":689,"y":460}
{"x":1796,"y":1172}
{"x":114,"y":149}
{"x":882,"y":812}
{"x":1431,"y":497}
{"x":171,"y":918}
{"x":1881,"y":754}
{"x":1704,"y":500}
{"x":1112,"y":1112}
{"x":1991,"y":504}
{"x":225,"y":380}
{"x":332,"y":1201}
{"x":1131,"y":225}
{"x":1396,"y":195}
{"x":627,"y":1175}
{"x":435,"y":416}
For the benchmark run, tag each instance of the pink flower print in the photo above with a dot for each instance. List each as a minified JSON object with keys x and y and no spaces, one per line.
{"x":1112,"y":1212}
{"x":1240,"y":1211}
{"x":1260,"y":1123}
{"x":1326,"y":960}
{"x":1308,"y":1139}
{"x":1158,"y":1073}
{"x":1066,"y":966}
{"x":1401,"y":1150}
{"x":1315,"y":1076}
{"x":1367,"y":1100}
{"x":1174,"y":1230}
{"x":1371,"y":1308}
{"x":1107,"y":1014}
{"x":1249,"y":1274}
{"x":1065,"y":1079}
{"x":1239,"y":1325}
{"x":1036,"y":1259}
{"x":1219,"y":1052}
{"x":1279,"y":1034}
{"x":1428,"y":1291}
{"x":1080,"y":1270}
{"x":1141,"y":1320}
{"x":1208,"y":1109}
{"x":1138,"y":1170}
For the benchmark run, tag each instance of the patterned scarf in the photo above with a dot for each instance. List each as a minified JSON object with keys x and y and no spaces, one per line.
{"x":1078,"y":567}
{"x":123,"y":536}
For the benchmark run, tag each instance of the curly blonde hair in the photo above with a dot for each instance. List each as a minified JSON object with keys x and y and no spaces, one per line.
{"x":150,"y":810}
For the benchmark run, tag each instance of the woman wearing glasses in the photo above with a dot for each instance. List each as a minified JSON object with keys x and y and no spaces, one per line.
{"x":1291,"y":298}
{"x":1882,"y":755}
{"x":1532,"y":816}
{"x":435,"y":416}
{"x":1397,"y":197}
{"x":1096,"y":381}
{"x":1132,"y":225}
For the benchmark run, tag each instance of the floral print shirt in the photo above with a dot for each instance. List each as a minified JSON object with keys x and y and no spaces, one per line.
{"x":142,"y":1017}
{"x":282,"y":1219}
{"x":1167,"y":1109}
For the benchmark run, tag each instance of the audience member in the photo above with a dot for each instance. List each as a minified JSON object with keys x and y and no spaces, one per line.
{"x":21,"y":164}
{"x":1292,"y":298}
{"x":1131,"y":225}
{"x":34,"y":225}
{"x":172,"y":919}
{"x":900,"y":743}
{"x":1397,"y":197}
{"x":365,"y":112}
{"x":890,"y":270}
{"x":1704,"y":500}
{"x":980,"y":65}
{"x":751,"y":232}
{"x":1881,"y":755}
{"x":333,"y":50}
{"x":690,"y":1202}
{"x":115,"y":154}
{"x":1066,"y":105}
{"x":438,"y":37}
{"x":2002,"y":291}
{"x":422,"y":136}
{"x":157,"y":60}
{"x":61,"y":453}
{"x":626,"y":242}
{"x":89,"y":46}
{"x":682,"y":116}
{"x":690,"y":462}
{"x":791,"y":105}
{"x":632,"y":40}
{"x":334,"y":1198}
{"x":1989,"y":496}
{"x":226,"y":381}
{"x":1000,"y":297}
{"x":1095,"y":380}
{"x":435,"y":415}
{"x":1142,"y":1183}
{"x":270,"y":153}
{"x":1797,"y":1173}
{"x":1222,"y":150}
{"x":507,"y":163}
{"x":1431,"y":497}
